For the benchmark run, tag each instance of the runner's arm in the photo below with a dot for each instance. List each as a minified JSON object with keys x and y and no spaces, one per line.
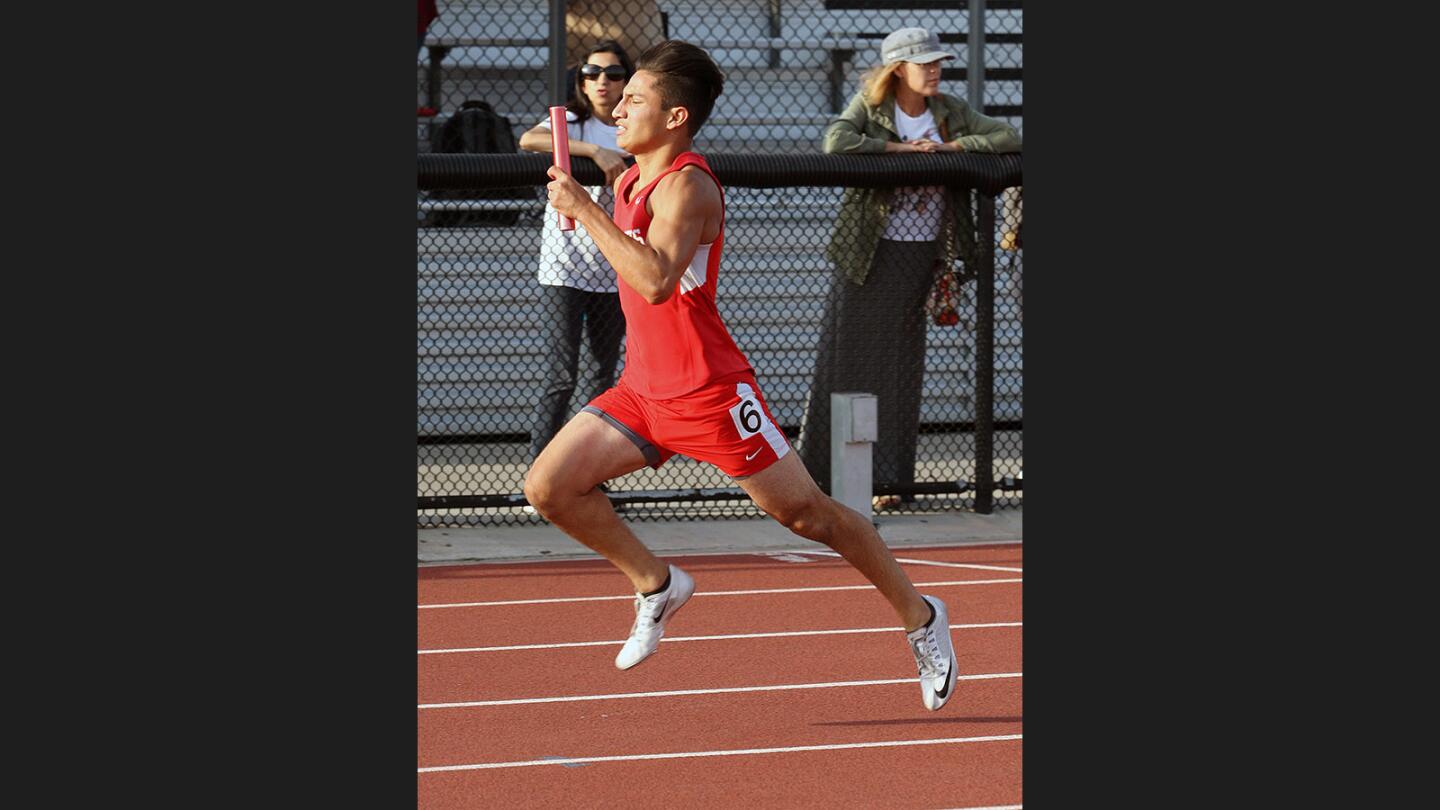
{"x":683,"y":203}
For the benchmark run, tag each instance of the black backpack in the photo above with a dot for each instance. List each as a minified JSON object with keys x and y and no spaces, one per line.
{"x":475,"y":127}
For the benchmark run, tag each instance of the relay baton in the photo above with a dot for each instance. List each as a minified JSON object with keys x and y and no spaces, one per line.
{"x":560,"y":144}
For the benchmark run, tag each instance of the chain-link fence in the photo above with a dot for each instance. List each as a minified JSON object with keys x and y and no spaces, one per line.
{"x":498,"y":372}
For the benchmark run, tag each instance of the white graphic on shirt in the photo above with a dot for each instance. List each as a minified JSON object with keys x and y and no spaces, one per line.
{"x":915,"y":211}
{"x":694,"y":275}
{"x":571,"y":258}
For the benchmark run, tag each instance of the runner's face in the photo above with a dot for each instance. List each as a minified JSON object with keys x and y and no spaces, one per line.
{"x":639,"y":118}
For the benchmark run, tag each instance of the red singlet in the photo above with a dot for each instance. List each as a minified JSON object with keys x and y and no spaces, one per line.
{"x":680,"y":345}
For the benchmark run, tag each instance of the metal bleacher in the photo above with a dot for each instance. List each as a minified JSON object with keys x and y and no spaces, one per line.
{"x":780,"y":91}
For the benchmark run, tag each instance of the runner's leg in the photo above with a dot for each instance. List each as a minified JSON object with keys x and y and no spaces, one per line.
{"x":786,"y":492}
{"x":561,"y":486}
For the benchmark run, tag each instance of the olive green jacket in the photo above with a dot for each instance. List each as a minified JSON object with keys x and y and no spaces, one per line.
{"x":863,"y":129}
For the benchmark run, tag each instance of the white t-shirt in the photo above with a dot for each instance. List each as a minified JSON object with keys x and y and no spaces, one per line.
{"x":570,"y":258}
{"x":915,"y":210}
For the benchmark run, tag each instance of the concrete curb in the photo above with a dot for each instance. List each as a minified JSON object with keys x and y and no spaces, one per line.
{"x":530,"y":543}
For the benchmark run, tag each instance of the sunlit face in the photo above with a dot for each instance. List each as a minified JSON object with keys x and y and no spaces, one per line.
{"x":642,"y":124}
{"x":921,"y":79}
{"x":603,"y":91}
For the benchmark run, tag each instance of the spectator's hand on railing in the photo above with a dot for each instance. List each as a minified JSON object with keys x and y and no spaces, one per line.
{"x":921,"y":145}
{"x":610,"y":162}
{"x":934,"y":148}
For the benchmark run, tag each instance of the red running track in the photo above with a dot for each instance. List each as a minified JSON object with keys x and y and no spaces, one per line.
{"x":547,"y":725}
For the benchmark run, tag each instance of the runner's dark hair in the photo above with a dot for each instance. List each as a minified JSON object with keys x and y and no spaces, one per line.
{"x":685,"y":76}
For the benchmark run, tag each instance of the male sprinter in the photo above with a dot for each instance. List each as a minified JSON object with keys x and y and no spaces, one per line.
{"x":686,"y":388}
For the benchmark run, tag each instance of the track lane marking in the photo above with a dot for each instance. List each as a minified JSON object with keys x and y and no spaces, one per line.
{"x":729,"y":753}
{"x":914,"y":561}
{"x":587,"y":557}
{"x":716,"y":691}
{"x":751,"y":592}
{"x":726,"y":637}
{"x":785,"y":556}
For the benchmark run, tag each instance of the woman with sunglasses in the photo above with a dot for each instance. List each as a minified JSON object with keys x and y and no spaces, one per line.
{"x":577,"y":284}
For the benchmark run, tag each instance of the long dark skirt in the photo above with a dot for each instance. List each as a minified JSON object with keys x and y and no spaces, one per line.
{"x":873,"y":341}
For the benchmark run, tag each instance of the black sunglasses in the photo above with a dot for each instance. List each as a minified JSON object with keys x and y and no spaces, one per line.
{"x":615,"y":73}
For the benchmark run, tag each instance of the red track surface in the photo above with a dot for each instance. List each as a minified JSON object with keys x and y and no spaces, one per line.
{"x":961,"y":772}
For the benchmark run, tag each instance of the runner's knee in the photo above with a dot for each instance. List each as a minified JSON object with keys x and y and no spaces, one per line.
{"x":550,"y":488}
{"x":540,"y":490}
{"x":810,"y":519}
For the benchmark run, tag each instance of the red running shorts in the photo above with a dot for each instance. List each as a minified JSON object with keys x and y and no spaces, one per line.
{"x":726,"y":423}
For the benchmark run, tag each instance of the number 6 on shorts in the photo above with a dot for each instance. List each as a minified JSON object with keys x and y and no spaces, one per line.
{"x":748,"y":416}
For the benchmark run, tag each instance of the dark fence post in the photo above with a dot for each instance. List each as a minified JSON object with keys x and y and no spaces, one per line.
{"x":557,"y":52}
{"x":985,"y":354}
{"x":775,"y":29}
{"x":838,"y":58}
{"x":432,"y":75}
{"x":976,"y":53}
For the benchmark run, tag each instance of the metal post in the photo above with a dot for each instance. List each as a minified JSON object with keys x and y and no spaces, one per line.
{"x":976,"y":70}
{"x":433,"y":75}
{"x":774,"y":31}
{"x":557,"y":52}
{"x":838,"y":58}
{"x":985,"y":354}
{"x":853,"y":430}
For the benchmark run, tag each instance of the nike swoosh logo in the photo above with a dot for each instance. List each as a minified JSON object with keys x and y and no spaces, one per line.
{"x":942,"y":692}
{"x":660,"y":614}
{"x":754,"y":454}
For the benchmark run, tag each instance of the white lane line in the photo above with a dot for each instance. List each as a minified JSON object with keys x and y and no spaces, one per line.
{"x":930,"y":562}
{"x":590,"y":556}
{"x":786,"y":557}
{"x":992,"y":807}
{"x":783,"y":634}
{"x":752,"y":592}
{"x":716,"y":691}
{"x":731,"y":753}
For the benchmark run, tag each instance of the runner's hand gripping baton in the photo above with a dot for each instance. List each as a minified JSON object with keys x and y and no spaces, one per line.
{"x":560,"y":144}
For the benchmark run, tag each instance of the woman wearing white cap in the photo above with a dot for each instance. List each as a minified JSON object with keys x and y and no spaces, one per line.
{"x":886,"y":247}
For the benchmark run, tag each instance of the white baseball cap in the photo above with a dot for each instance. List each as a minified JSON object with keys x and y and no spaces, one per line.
{"x":912,"y":45}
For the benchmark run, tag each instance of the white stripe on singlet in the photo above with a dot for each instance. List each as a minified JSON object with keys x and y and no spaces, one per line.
{"x":694,"y":275}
